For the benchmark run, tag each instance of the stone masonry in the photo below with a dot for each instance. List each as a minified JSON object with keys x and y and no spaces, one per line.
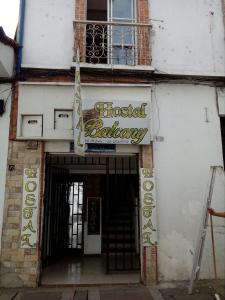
{"x":19,"y":267}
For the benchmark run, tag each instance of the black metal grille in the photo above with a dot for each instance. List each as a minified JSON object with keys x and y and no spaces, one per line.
{"x":55,"y":235}
{"x":120,"y":229}
{"x":65,"y":208}
{"x":75,"y":220}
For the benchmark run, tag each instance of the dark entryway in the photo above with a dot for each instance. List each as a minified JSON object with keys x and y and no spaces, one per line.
{"x":222,"y":124}
{"x":91,"y":210}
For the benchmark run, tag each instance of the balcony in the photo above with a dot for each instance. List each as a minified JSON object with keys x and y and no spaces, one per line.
{"x":125,"y":45}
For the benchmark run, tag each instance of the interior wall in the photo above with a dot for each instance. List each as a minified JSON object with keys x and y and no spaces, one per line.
{"x":187,"y":122}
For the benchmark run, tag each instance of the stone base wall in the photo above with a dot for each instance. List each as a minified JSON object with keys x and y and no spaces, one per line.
{"x":19,"y":267}
{"x":149,"y":254}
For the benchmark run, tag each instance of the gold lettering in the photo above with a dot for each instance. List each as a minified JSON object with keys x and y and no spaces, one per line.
{"x":147,"y":211}
{"x":94,"y":129}
{"x":142,"y":113}
{"x":30,"y":186}
{"x":28,"y":212}
{"x":31,"y":173}
{"x":148,"y":199}
{"x":30,"y":199}
{"x":148,"y":185}
{"x":147,"y":173}
{"x":92,"y":126}
{"x":80,"y":124}
{"x":29,"y":226}
{"x":106,"y":110}
{"x":79,"y":140}
{"x":147,"y":238}
{"x":124,"y":132}
{"x":149,"y":225}
{"x":25,"y":238}
{"x":140,"y":136}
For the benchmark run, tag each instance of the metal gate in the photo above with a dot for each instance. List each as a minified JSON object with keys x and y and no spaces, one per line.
{"x":65,"y":208}
{"x":75,"y":219}
{"x":121,"y":226}
{"x":55,"y":234}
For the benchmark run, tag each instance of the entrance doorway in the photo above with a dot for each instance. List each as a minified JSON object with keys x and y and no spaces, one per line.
{"x":91,"y":220}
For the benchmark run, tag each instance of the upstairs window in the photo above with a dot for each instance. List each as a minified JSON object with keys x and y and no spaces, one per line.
{"x":122,"y":37}
{"x":111,"y":34}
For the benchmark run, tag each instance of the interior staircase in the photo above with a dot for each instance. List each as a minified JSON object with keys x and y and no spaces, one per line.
{"x":120,"y":239}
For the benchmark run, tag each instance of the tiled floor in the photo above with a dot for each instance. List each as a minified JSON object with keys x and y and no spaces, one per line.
{"x":81,"y":271}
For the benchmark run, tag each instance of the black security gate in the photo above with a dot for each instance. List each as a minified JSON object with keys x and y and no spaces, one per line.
{"x":55,"y":233}
{"x":121,"y":225}
{"x":65,"y":208}
{"x":75,"y":220}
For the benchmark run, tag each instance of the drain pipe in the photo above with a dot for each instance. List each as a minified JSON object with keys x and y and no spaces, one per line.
{"x":20,"y":34}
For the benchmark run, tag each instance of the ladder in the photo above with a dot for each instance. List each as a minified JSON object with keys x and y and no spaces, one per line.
{"x":203,"y":229}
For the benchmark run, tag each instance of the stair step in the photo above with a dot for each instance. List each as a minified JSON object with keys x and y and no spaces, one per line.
{"x":120,"y":220}
{"x":119,"y":241}
{"x":119,"y":223}
{"x":124,"y":216}
{"x":117,"y":236}
{"x":120,"y":251}
{"x":121,"y":246}
{"x":119,"y":230}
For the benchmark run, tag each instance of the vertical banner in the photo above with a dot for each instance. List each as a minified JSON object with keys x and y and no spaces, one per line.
{"x":78,"y":124}
{"x":148,"y":208}
{"x":29,"y":221}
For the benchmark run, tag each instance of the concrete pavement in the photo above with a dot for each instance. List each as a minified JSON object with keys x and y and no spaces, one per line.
{"x":203,"y":290}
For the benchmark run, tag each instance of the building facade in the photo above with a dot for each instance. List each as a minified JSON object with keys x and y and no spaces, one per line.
{"x":152,"y":91}
{"x":7,"y":55}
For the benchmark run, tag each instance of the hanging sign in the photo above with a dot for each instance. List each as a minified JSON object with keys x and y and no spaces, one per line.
{"x":78,"y":125}
{"x":148,"y":207}
{"x":30,"y":208}
{"x":117,"y":122}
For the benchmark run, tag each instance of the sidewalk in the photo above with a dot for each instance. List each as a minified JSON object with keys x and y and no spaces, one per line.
{"x":204,"y":290}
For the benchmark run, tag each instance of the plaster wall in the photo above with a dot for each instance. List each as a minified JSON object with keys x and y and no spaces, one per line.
{"x":6,"y":60}
{"x":188,"y":36}
{"x":5,"y":92}
{"x":48,"y":35}
{"x":187,"y":127}
{"x":44,"y":99}
{"x":187,"y":122}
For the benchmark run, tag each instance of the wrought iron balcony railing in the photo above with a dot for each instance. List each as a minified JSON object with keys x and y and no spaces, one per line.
{"x":113,"y":43}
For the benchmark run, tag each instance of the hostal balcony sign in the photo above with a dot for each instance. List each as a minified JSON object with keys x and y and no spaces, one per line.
{"x":117,"y":122}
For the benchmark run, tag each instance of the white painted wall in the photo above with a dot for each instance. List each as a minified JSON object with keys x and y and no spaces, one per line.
{"x":190,"y":40}
{"x":48,"y":36}
{"x":191,"y":145}
{"x":6,"y":60}
{"x":5,"y":92}
{"x":93,"y":242}
{"x":43,"y":99}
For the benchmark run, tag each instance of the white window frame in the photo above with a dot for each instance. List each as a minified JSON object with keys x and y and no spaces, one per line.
{"x":132,"y":20}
